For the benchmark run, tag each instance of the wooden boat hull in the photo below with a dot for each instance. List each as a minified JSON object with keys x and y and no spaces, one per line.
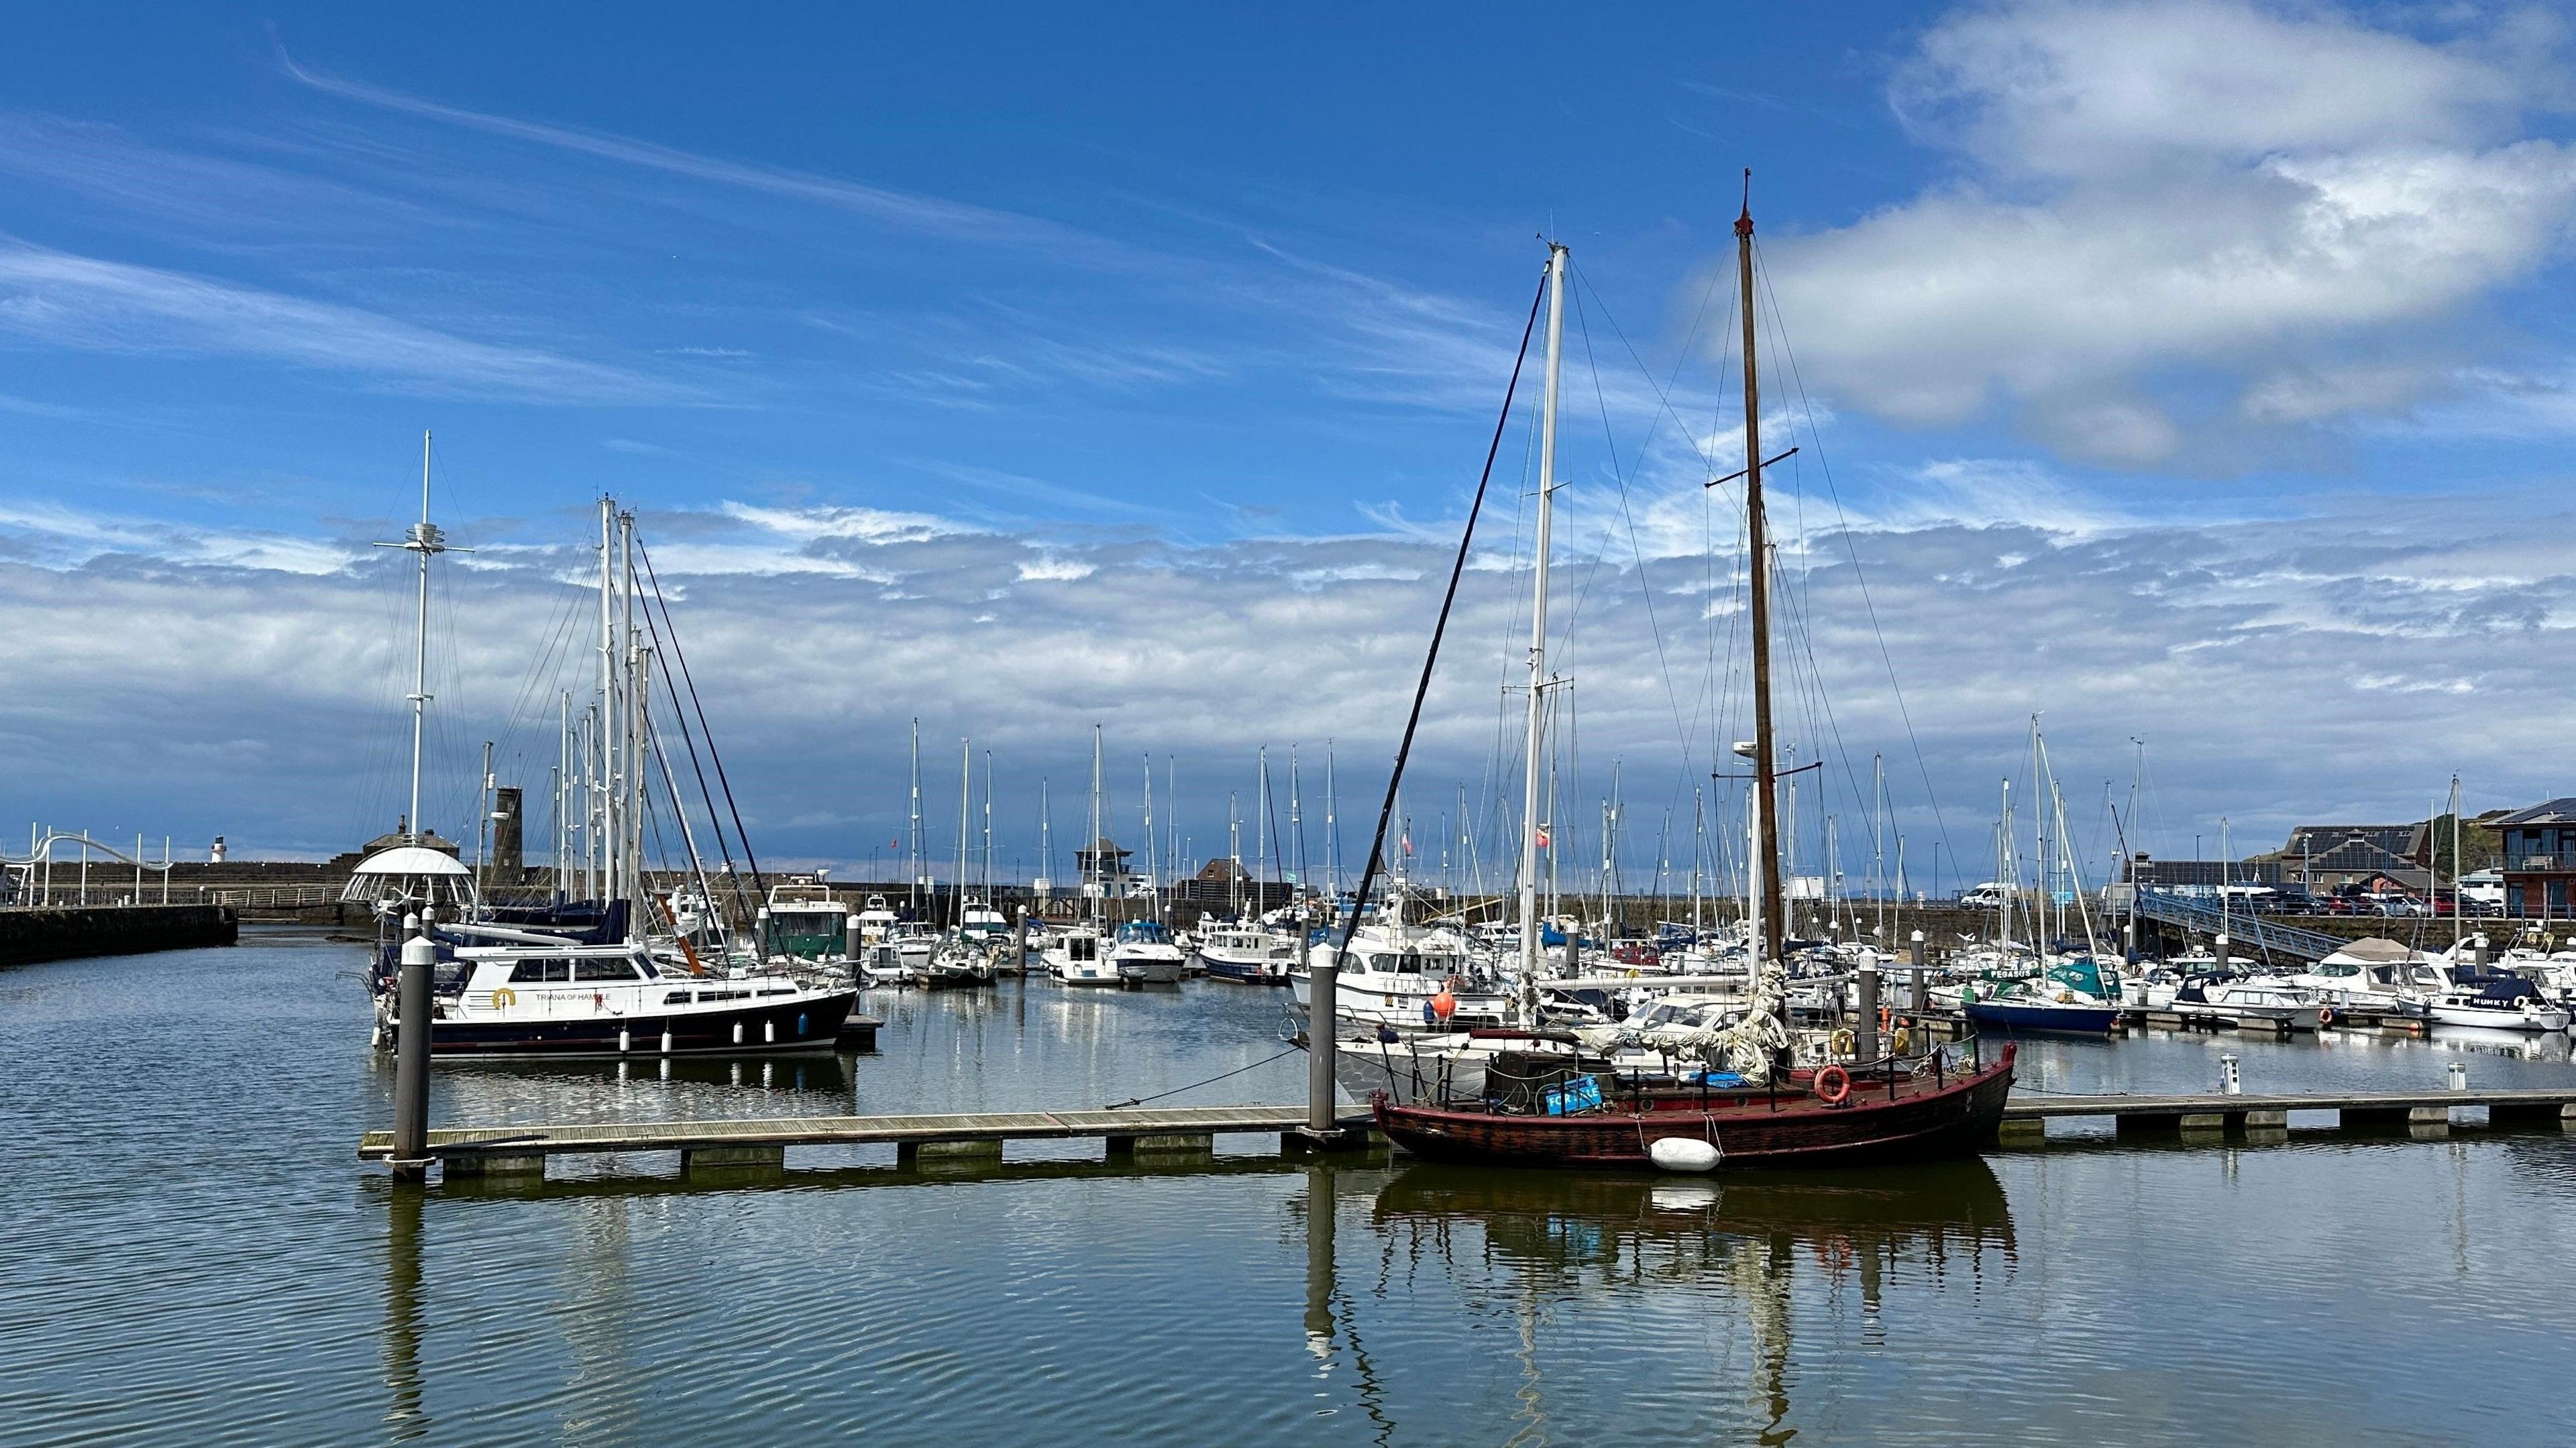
{"x":1923,"y":1122}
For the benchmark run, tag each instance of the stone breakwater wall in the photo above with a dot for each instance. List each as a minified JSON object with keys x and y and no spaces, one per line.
{"x":29,"y":935}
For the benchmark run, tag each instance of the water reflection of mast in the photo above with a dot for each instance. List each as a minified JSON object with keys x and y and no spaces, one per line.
{"x":1328,"y":1312}
{"x":405,"y":1417}
{"x":1765,"y":1285}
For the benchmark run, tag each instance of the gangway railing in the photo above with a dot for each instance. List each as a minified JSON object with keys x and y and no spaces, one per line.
{"x":2248,"y":935}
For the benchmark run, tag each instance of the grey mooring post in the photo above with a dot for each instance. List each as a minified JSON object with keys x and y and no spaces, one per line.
{"x":411,"y":1053}
{"x":1920,"y":998}
{"x":2221,"y":950}
{"x":1865,"y":1038}
{"x":1321,"y":1119}
{"x":1020,"y":942}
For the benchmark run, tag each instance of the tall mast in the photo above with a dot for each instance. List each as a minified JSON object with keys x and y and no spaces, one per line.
{"x":2458,"y":926}
{"x":912,"y":843}
{"x":611,"y":808}
{"x":965,"y":803}
{"x":1536,"y":741}
{"x":1098,"y":875}
{"x":1332,"y":826}
{"x":1046,"y":845}
{"x":424,"y":539}
{"x":1261,"y":829}
{"x":1758,"y":568}
{"x":988,"y":827}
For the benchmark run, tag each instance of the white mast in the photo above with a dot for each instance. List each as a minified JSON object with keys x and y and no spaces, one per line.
{"x":988,"y":827}
{"x":610,"y":806}
{"x":1530,"y":760}
{"x":912,"y":844}
{"x":965,"y":804}
{"x":1260,"y":829}
{"x":1098,"y":874}
{"x":424,"y":539}
{"x":1153,"y":865}
{"x":1046,"y":845}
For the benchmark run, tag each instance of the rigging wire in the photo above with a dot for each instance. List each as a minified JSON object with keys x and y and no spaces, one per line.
{"x":1448,"y":600}
{"x":713,"y":754}
{"x":1859,"y":574}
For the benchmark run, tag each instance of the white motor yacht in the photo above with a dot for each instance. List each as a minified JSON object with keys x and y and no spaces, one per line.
{"x":527,"y":1000}
{"x":1249,"y":954}
{"x":2375,"y":977}
{"x":2247,"y":1001}
{"x":1394,"y":974}
{"x":1144,"y":954}
{"x":1079,"y":956}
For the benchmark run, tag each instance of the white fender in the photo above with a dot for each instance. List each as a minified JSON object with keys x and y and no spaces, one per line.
{"x":1683,"y":1153}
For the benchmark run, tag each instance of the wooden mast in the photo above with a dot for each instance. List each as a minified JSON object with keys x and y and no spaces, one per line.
{"x":1767,"y":847}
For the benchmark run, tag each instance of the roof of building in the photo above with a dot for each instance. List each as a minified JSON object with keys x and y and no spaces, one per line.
{"x":399,"y":839}
{"x":2316,"y":840}
{"x":2555,"y":812}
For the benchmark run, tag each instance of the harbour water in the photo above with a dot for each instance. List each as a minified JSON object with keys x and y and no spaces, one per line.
{"x":193,"y":1255}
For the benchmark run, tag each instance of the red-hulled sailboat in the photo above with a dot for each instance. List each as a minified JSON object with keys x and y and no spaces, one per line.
{"x":1867,"y":1112}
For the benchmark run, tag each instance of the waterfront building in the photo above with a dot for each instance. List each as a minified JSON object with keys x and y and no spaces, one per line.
{"x":2539,"y":846}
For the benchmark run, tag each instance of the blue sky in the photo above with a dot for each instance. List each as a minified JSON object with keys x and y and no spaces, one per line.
{"x":1014,"y":368}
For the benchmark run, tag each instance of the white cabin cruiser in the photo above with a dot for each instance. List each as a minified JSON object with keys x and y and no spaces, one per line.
{"x":1394,"y":976}
{"x":1078,"y":956}
{"x":1250,"y":954}
{"x":525,"y":1000}
{"x":2375,"y":977}
{"x":2248,"y":1001}
{"x":1144,"y":954}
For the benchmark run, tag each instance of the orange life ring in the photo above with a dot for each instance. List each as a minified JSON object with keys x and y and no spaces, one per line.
{"x":2325,"y":1015}
{"x":1833,"y":1085}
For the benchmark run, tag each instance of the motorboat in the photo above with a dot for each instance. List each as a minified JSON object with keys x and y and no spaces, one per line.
{"x":1248,"y":954}
{"x":1396,"y":976}
{"x":2506,"y":1003}
{"x":979,"y":922}
{"x":2375,"y":977}
{"x":1079,"y":956}
{"x":1144,"y":954}
{"x":802,"y":922}
{"x":2247,"y":1001}
{"x":529,"y":1000}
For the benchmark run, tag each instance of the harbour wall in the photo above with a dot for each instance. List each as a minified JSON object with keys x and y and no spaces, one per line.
{"x":48,"y":933}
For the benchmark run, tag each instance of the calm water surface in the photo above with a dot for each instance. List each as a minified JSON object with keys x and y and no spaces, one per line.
{"x":192,"y":1254}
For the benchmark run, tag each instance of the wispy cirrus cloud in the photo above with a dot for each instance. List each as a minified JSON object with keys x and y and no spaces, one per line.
{"x":910,"y":211}
{"x":90,"y":304}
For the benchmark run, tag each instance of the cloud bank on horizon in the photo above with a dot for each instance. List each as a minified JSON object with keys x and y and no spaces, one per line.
{"x":2092,"y":382}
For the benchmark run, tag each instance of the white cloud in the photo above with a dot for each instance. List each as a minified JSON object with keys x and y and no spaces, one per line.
{"x":862,"y":525}
{"x":2400,"y":640}
{"x":1047,"y":568}
{"x":2165,"y":198}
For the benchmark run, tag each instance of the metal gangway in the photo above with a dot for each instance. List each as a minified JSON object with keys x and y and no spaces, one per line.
{"x":2248,"y":935}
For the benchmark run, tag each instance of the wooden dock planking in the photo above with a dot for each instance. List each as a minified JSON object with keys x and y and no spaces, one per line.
{"x":974,"y":1126}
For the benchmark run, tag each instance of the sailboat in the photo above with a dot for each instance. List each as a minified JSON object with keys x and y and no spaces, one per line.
{"x":1760,"y":1113}
{"x":522,"y":990}
{"x":964,"y":958}
{"x":1078,"y":955}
